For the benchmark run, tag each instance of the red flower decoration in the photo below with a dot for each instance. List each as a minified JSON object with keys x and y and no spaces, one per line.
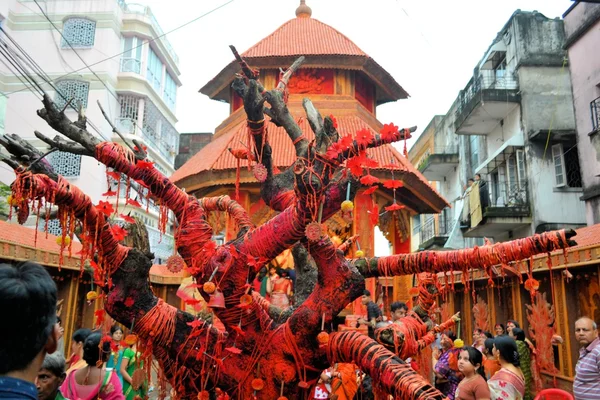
{"x":334,"y":151}
{"x":394,"y":207}
{"x":195,"y":323}
{"x":333,"y":121}
{"x":346,"y":141}
{"x":129,"y":302}
{"x":354,"y":164}
{"x":134,"y":203}
{"x":364,"y":137}
{"x":370,"y":190}
{"x":118,"y":232}
{"x":144,"y":164}
{"x":233,"y":350}
{"x":389,"y":132}
{"x":105,"y":208}
{"x":369,"y":180}
{"x":532,"y":284}
{"x":113,"y":174}
{"x":127,"y":218}
{"x":110,"y":193}
{"x":392,"y":184}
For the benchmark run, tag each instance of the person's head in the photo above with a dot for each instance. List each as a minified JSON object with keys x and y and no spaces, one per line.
{"x":116,"y":332}
{"x":272,"y":269}
{"x":510,"y":324}
{"x":499,"y":329}
{"x":488,"y":335}
{"x":79,"y":337}
{"x":477,"y":334}
{"x":470,"y":182}
{"x":398,"y":309}
{"x":477,"y":177}
{"x":282,"y":272}
{"x":517,"y":334}
{"x":505,"y":349}
{"x":366,"y":297}
{"x":95,"y":349}
{"x":488,"y":347}
{"x":447,"y":340}
{"x":586,"y":331}
{"x":261,"y":273}
{"x":28,"y":303}
{"x":51,"y":376}
{"x":470,"y":361}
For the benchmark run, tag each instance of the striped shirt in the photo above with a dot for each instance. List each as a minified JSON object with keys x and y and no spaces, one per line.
{"x":587,"y":373}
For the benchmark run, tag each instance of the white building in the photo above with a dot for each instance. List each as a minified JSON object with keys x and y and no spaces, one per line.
{"x":135,"y":77}
{"x":514,"y":125}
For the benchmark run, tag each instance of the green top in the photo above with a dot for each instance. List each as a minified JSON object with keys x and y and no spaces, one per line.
{"x":59,"y":396}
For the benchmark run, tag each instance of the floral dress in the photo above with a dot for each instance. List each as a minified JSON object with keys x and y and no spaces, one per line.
{"x":506,"y":385}
{"x":451,"y":379}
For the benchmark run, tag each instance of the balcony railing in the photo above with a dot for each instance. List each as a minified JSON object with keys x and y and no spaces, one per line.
{"x":595,"y":112}
{"x":130,"y":64}
{"x":428,"y":230}
{"x":496,"y":80}
{"x":508,"y":194}
{"x":141,"y":9}
{"x":126,"y":125}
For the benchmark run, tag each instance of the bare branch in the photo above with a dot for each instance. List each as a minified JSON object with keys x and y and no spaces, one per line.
{"x":64,"y":145}
{"x":115,"y":130}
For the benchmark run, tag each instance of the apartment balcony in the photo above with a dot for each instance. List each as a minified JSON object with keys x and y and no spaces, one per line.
{"x":434,"y":232}
{"x":485,"y":102}
{"x":506,"y":208}
{"x":595,"y":114}
{"x":440,"y":163}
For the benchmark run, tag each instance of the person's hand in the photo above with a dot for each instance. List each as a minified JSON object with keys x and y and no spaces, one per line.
{"x":557,"y":339}
{"x":108,"y":389}
{"x":456,"y":317}
{"x":361,"y":321}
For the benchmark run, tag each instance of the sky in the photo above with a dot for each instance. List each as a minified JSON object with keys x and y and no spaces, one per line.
{"x":429,"y":47}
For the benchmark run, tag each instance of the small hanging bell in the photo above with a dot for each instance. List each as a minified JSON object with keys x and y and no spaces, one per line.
{"x":216,"y":300}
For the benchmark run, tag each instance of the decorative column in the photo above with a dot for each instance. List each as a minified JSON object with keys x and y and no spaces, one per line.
{"x":362,"y":227}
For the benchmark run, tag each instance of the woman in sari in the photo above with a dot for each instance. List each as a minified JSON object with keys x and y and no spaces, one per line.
{"x":129,"y":364}
{"x":525,"y":360}
{"x":446,"y":371}
{"x":508,"y":383}
{"x":280,"y":289}
{"x":93,"y":381}
{"x":114,"y":358}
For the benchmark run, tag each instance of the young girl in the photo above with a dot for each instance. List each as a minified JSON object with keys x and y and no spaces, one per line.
{"x":473,"y":385}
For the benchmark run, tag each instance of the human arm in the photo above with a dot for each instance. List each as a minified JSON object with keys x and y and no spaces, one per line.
{"x":127,"y":355}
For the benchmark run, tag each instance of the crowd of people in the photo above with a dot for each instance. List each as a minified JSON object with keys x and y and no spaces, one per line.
{"x":495,"y":366}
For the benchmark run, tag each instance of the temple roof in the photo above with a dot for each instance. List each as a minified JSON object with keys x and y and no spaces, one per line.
{"x":215,"y":165}
{"x":323,"y":47}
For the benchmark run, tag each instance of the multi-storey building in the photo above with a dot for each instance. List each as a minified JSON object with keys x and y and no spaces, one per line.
{"x":582,"y":30}
{"x":104,"y":51}
{"x":514,"y":125}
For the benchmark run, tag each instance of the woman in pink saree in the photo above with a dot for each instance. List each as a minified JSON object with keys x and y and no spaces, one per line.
{"x":93,"y":381}
{"x":508,"y":383}
{"x":280,"y":288}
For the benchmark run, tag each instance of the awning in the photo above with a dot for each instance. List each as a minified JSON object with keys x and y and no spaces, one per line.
{"x":501,"y":155}
{"x":494,"y":55}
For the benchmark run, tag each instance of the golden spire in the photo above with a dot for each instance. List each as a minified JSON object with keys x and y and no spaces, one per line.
{"x":303,"y":11}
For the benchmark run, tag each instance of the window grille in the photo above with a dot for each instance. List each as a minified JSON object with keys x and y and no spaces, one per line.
{"x":572,"y":167}
{"x":53,"y":227}
{"x":69,"y":89}
{"x":158,"y":132}
{"x":128,"y":113}
{"x":78,"y":32}
{"x":65,"y":164}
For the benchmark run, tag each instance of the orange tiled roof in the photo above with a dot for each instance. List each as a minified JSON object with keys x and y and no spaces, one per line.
{"x":24,"y":236}
{"x":215,"y":155}
{"x":304,"y":36}
{"x":587,"y":236}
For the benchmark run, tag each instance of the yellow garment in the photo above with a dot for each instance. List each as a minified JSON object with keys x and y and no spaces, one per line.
{"x":346,"y":387}
{"x":475,"y":205}
{"x":78,"y":365}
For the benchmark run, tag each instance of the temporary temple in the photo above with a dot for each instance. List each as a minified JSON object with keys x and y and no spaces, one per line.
{"x":343,"y":81}
{"x":308,"y":161}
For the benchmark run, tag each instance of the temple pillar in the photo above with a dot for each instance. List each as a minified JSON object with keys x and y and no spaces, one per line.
{"x":362,"y":226}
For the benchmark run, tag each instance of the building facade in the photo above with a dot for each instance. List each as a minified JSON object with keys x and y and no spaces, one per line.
{"x":582,"y":31}
{"x":514,"y":126}
{"x":96,"y":51}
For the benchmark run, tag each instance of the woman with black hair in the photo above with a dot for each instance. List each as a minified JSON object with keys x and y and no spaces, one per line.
{"x":525,"y":358}
{"x":93,"y":381}
{"x":491,"y":365}
{"x":446,"y":371}
{"x":499,"y":330}
{"x":508,"y":383}
{"x":116,"y":355}
{"x":280,"y":288}
{"x":76,"y":361}
{"x":473,"y":385}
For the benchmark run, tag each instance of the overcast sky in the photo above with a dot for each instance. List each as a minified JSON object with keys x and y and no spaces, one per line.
{"x":429,"y":47}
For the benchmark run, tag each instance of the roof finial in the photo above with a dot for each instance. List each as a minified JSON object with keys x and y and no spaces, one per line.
{"x":303,"y":11}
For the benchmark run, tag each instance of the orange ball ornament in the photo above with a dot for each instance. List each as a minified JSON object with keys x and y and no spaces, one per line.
{"x":258,"y":384}
{"x":91,"y":295}
{"x":347,"y":205}
{"x":245,"y":300}
{"x":209,"y":287}
{"x":282,"y":398}
{"x":204,"y":395}
{"x":359,"y":254}
{"x":130,"y":339}
{"x":60,"y":240}
{"x":323,"y":338}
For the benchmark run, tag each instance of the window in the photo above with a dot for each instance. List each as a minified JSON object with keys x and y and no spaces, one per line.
{"x":131,"y":61}
{"x":559,"y":165}
{"x":170,"y":92}
{"x":474,"y":147}
{"x":78,"y":32}
{"x":76,"y":90}
{"x":154,"y":70}
{"x":65,"y":164}
{"x":567,"y":172}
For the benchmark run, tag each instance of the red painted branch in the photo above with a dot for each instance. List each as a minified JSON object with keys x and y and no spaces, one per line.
{"x":388,"y":371}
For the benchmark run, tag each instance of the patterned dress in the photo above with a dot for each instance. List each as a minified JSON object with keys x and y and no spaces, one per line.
{"x":506,"y":385}
{"x":452,"y":378}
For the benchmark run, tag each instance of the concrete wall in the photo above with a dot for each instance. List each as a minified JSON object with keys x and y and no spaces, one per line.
{"x":546,"y":99}
{"x":582,"y":25}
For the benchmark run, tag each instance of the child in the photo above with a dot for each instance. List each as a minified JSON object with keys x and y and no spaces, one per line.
{"x":473,"y":386}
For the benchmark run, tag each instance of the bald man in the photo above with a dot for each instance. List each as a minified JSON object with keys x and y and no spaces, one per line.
{"x":587,"y":372}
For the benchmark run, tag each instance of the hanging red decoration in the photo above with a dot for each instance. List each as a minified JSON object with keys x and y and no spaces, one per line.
{"x":394,"y":207}
{"x":260,"y":172}
{"x":369,"y":180}
{"x":209,"y":287}
{"x":258,"y":384}
{"x":175,"y":263}
{"x":393,"y":184}
{"x":313,"y":231}
{"x":389,"y":132}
